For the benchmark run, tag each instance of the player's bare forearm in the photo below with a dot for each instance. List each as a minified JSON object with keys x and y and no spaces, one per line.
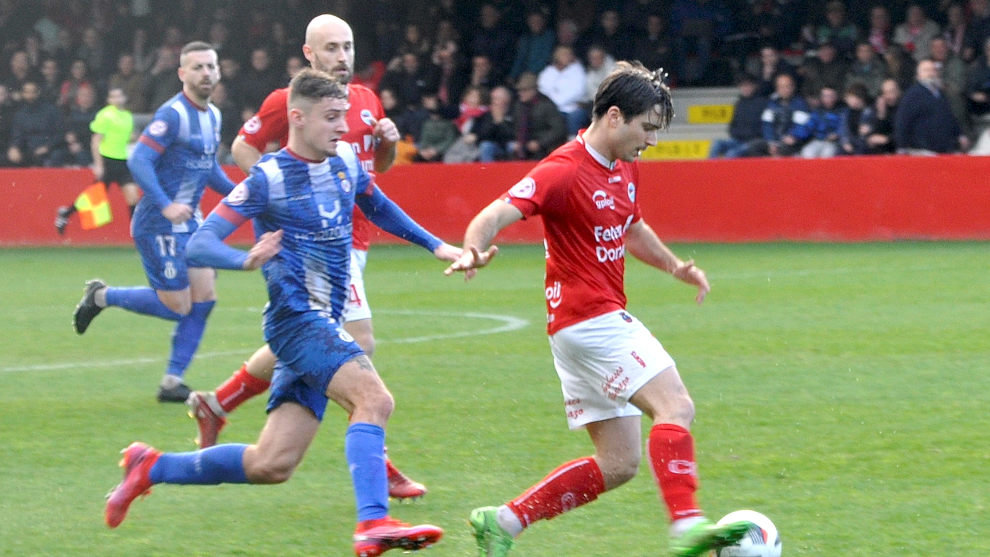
{"x":387,"y":134}
{"x":488,"y":223}
{"x":478,"y":250}
{"x":384,"y":156}
{"x":245,"y":156}
{"x":644,"y":244}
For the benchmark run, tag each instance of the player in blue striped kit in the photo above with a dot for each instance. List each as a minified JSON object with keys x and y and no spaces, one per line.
{"x":174,"y":161}
{"x":302,"y":204}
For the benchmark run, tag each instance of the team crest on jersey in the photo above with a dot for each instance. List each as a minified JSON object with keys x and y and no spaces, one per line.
{"x":524,"y":189}
{"x":344,"y":184}
{"x":158,"y":127}
{"x":253,"y":125}
{"x":238,"y":195}
{"x":367,"y":117}
{"x":631,"y":188}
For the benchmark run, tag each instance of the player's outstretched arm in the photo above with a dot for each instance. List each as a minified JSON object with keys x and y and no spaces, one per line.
{"x":478,"y":250}
{"x":385,"y":214}
{"x":644,"y":244}
{"x":447,"y":252}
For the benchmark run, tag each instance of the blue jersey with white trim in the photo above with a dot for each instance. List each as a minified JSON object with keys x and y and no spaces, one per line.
{"x":313,"y":203}
{"x":174,"y":161}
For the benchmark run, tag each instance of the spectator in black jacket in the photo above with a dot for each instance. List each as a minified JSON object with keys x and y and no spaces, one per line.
{"x":35,"y":131}
{"x":82,"y":110}
{"x":924,"y":124}
{"x":768,"y":67}
{"x":411,"y":80}
{"x":746,"y":124}
{"x":881,"y":139}
{"x":495,"y":129}
{"x":858,"y":121}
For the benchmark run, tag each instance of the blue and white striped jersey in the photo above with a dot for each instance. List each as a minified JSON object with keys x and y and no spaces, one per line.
{"x":313,"y":203}
{"x":175,"y":159}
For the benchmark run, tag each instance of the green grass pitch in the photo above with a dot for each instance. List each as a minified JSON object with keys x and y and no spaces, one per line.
{"x":842,"y":390}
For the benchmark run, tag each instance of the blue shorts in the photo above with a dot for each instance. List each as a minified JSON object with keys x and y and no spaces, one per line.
{"x":308,"y":358}
{"x":164,"y":259}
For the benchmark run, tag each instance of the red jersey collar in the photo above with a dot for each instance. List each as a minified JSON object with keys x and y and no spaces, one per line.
{"x":192,"y":102}
{"x":302,"y":158}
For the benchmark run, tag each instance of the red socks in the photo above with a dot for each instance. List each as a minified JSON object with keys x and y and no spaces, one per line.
{"x":671,"y":454}
{"x":569,"y":486}
{"x":239,"y":388}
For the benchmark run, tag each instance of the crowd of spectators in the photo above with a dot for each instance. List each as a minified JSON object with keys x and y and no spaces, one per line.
{"x":513,"y":79}
{"x":920,"y":86}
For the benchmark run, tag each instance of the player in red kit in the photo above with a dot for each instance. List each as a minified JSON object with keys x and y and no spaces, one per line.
{"x":330,"y":48}
{"x":612,"y":370}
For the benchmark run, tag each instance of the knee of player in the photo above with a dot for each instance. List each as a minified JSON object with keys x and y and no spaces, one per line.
{"x":383,"y":403}
{"x":367,"y":344}
{"x":182,"y":307}
{"x":271,"y":471}
{"x":618,"y":469}
{"x":377,"y":406}
{"x":682,"y":412}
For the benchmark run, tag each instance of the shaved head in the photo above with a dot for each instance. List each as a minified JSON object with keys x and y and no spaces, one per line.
{"x":321,"y":25}
{"x":329,"y":46}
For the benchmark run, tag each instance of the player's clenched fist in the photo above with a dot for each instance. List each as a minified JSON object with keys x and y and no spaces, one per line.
{"x":386,"y":129}
{"x":268,"y":245}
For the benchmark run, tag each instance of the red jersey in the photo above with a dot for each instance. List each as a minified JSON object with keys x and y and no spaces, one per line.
{"x":587,"y":205}
{"x":271,"y":124}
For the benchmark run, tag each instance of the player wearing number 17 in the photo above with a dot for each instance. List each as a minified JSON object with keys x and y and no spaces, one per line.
{"x":174,"y":161}
{"x":612,"y":370}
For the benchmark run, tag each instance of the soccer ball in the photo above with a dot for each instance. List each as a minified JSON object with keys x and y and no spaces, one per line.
{"x":761,"y":540}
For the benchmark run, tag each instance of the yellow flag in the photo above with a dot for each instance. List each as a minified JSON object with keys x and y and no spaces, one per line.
{"x":93,"y":207}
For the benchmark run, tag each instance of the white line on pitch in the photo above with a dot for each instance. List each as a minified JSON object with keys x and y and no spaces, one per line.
{"x":507,"y":323}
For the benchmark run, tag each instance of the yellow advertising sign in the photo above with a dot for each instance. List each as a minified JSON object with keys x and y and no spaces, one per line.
{"x":709,"y":114}
{"x":678,"y":150}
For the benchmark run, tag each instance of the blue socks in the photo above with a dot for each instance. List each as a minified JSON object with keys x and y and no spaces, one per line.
{"x":364,"y":445}
{"x":186,"y":337}
{"x":141,"y":299}
{"x":188,"y":332}
{"x":215,"y":465}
